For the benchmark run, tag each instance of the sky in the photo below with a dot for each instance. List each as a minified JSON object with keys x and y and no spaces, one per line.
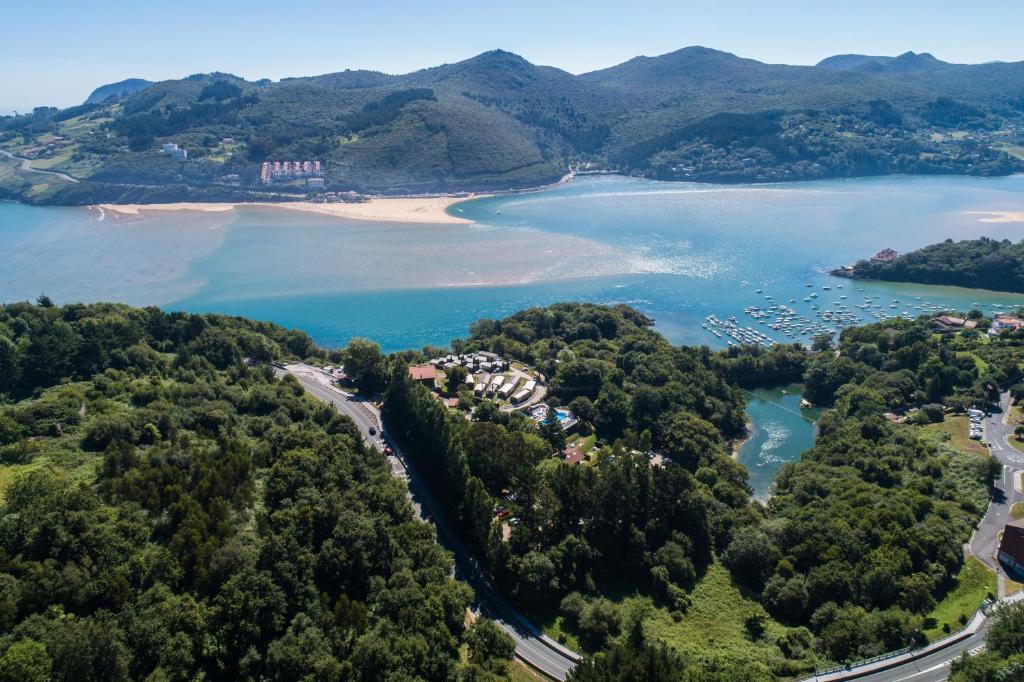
{"x":55,"y":53}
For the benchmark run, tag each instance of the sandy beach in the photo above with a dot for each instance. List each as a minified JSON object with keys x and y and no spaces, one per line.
{"x":425,"y":210}
{"x":999,"y":216}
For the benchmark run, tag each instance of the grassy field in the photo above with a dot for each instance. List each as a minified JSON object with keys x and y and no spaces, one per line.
{"x":518,"y":672}
{"x":1017,"y":510}
{"x":973,"y":584}
{"x":958,"y":427}
{"x":1013,"y":150}
{"x":713,"y":629}
{"x":1015,"y":418}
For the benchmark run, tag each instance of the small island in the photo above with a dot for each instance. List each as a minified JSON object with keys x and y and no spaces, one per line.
{"x":982,"y":263}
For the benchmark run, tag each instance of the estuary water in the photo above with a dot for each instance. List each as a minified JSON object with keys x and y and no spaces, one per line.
{"x":679,"y":252}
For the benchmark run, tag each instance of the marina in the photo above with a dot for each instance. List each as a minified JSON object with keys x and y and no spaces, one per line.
{"x":801,"y":322}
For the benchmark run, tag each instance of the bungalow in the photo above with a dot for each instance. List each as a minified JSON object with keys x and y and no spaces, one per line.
{"x":506,"y":390}
{"x":426,"y":374}
{"x":1011,"y":548}
{"x":573,"y":456}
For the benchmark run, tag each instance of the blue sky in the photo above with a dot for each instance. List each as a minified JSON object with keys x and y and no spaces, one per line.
{"x":56,"y":53}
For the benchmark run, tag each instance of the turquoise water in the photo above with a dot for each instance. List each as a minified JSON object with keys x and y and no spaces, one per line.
{"x":679,"y":252}
{"x":780,"y":431}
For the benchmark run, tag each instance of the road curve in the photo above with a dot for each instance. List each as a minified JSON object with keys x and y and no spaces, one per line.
{"x":26,"y":165}
{"x":533,"y":648}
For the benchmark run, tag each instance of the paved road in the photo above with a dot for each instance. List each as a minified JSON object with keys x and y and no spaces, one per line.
{"x":26,"y":165}
{"x":998,"y":432}
{"x":537,"y":651}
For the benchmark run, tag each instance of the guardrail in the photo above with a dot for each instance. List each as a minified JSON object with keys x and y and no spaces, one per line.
{"x":870,"y":666}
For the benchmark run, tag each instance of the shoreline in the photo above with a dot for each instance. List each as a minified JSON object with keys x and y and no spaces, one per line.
{"x":428,"y":209}
{"x":415,"y":210}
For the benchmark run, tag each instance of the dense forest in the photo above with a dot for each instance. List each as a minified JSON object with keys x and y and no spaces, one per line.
{"x":496,"y":121}
{"x":975,"y":263}
{"x":860,"y":539}
{"x":171,"y":510}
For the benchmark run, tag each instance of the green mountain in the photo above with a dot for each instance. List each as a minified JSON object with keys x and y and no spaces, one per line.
{"x":496,"y":121}
{"x":119,"y":89}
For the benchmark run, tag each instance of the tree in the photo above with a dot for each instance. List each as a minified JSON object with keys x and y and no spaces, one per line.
{"x":25,"y":661}
{"x":552,"y":431}
{"x":489,"y":645}
{"x":366,"y":365}
{"x":751,"y":556}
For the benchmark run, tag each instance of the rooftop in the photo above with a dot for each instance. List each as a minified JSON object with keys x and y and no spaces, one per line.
{"x":423,"y":372}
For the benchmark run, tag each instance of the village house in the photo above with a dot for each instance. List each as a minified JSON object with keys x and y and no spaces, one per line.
{"x":1011,"y":548}
{"x":426,"y":374}
{"x":1005,"y":323}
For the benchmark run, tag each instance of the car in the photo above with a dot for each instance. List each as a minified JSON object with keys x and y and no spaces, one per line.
{"x":388,"y":451}
{"x":373,"y":431}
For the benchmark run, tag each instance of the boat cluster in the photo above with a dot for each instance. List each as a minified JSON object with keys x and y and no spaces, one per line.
{"x":735,"y":333}
{"x":823,"y":317}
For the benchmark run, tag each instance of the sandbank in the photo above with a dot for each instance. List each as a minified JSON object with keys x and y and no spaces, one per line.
{"x":425,"y":210}
{"x":999,"y":216}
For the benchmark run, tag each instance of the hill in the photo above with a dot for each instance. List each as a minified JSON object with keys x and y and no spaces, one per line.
{"x":497,"y":121}
{"x":975,"y":263}
{"x":119,"y":89}
{"x":171,"y":510}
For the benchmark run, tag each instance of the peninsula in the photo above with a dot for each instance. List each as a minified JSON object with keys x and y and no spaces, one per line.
{"x":982,"y":263}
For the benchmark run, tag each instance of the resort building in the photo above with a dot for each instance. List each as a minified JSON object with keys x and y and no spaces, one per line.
{"x":284,"y":171}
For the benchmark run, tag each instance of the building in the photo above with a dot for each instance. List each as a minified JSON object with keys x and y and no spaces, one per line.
{"x":285,"y":171}
{"x":945,"y":323}
{"x":885,"y":256}
{"x":314,"y":183}
{"x":426,"y":374}
{"x":573,"y":456}
{"x":1011,"y":549}
{"x":174,"y":151}
{"x":1005,"y":323}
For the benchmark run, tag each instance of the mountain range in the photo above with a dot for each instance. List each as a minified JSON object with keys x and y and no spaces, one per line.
{"x":496,"y":121}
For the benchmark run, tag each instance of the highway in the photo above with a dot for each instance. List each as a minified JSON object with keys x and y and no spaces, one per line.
{"x":536,"y":650}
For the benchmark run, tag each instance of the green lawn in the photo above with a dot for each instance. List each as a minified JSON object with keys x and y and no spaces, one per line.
{"x":973,"y":584}
{"x":1015,"y":418}
{"x":958,"y":426}
{"x":1017,"y":510}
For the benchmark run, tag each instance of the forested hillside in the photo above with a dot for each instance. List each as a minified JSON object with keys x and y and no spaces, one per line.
{"x":171,"y":511}
{"x":859,"y":542}
{"x":976,"y":263}
{"x":497,"y":121}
